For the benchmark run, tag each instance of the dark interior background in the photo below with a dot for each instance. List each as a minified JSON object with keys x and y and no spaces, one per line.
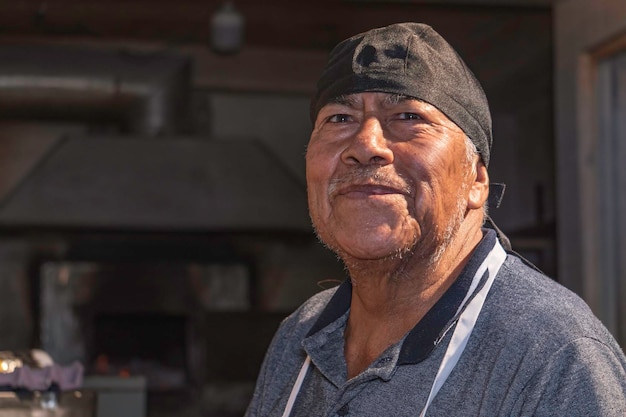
{"x":83,"y":188}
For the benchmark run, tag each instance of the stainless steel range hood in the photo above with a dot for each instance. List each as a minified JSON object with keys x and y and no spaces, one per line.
{"x":158,"y":184}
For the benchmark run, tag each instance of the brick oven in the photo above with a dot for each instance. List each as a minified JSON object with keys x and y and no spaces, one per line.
{"x":184,"y":312}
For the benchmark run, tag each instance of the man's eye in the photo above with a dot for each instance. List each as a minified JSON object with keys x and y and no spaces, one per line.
{"x":339,"y":118}
{"x":409,"y":116}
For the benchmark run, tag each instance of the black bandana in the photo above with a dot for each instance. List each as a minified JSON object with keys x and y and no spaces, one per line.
{"x":414,"y":60}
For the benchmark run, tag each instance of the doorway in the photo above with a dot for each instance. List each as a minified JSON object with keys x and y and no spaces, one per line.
{"x":610,"y":172}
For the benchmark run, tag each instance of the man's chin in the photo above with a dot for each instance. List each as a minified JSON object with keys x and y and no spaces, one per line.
{"x":370,"y":252}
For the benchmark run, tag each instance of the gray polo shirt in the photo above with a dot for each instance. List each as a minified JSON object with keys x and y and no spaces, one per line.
{"x":536,"y":350}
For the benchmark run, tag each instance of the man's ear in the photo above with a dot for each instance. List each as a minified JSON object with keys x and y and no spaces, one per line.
{"x":479,"y":189}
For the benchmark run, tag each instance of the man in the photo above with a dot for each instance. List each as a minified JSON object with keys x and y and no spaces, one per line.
{"x":436,"y":319}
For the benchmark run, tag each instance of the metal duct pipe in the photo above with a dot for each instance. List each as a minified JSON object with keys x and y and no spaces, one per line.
{"x":143,"y":93}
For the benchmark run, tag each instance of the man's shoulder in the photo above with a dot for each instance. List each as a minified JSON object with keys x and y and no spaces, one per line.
{"x":298,"y":323}
{"x":311,"y":309}
{"x":529,"y":322}
{"x":535,"y":306}
{"x":527,"y":286}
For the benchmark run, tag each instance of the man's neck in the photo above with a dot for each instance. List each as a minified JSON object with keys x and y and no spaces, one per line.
{"x":389,"y":299}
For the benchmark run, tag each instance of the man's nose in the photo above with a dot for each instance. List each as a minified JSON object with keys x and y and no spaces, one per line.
{"x":368,"y":145}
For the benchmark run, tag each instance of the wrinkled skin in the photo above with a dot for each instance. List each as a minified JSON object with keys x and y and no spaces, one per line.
{"x":386,"y":178}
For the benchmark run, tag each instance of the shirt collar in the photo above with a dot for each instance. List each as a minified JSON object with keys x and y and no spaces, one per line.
{"x":423,"y":338}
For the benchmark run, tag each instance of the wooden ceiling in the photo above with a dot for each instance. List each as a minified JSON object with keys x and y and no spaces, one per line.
{"x":271,"y":23}
{"x":508,"y":47}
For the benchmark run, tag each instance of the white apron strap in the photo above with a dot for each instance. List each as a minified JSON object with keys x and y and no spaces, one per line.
{"x":297,"y":386}
{"x":467,"y":320}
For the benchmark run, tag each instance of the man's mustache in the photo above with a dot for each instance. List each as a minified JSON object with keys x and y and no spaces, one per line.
{"x":369,"y":177}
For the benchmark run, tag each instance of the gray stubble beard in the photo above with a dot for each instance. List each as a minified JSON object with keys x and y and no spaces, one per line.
{"x":404,"y":255}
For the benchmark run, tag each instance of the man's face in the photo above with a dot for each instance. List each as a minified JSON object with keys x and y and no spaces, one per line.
{"x":386,"y":176}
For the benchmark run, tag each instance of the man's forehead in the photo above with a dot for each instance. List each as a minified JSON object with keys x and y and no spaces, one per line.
{"x":355,"y":99}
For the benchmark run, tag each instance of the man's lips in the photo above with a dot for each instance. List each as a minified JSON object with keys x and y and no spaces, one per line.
{"x":366,"y":190}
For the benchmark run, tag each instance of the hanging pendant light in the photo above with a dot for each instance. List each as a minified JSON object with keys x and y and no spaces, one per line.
{"x":227,"y":29}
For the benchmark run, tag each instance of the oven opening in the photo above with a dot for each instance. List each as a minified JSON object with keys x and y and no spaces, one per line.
{"x":151,"y":345}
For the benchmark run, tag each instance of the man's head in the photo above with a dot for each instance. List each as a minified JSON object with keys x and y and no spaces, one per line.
{"x":413,"y":60}
{"x":391,"y":172}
